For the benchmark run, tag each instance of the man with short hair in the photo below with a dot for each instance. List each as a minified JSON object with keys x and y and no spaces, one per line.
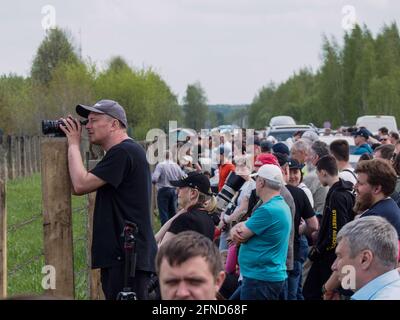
{"x":376,"y":182}
{"x":370,"y":246}
{"x":385,"y":139}
{"x":337,"y":212}
{"x":394,"y":138}
{"x":318,"y":150}
{"x":164,"y":172}
{"x":122,"y":180}
{"x":340,"y":149}
{"x":361,"y":137}
{"x":305,"y":213}
{"x":383,"y":131}
{"x":189,"y":267}
{"x":255,"y":201}
{"x":299,"y":151}
{"x":266,"y":146}
{"x":385,"y":152}
{"x":264,"y":239}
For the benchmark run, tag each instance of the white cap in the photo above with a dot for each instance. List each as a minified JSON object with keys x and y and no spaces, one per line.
{"x":270,"y":172}
{"x":186,"y":159}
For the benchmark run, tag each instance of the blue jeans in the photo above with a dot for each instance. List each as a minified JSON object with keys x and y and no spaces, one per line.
{"x":223,"y":244}
{"x":252,"y":289}
{"x":294,"y":281}
{"x":236,"y":294}
{"x":293,"y":289}
{"x":167,"y":203}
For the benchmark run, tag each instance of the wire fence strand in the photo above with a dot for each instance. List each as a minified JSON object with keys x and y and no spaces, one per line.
{"x":24,"y":264}
{"x":14,"y":227}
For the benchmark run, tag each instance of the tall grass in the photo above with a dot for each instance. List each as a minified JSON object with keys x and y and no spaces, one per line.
{"x":24,"y":201}
{"x":25,"y":243}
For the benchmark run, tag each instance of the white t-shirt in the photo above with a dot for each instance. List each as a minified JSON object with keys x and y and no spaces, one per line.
{"x":246,"y":189}
{"x":308,"y":192}
{"x":348,"y":175}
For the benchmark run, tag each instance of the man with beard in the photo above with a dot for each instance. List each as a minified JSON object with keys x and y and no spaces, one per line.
{"x":337,"y":212}
{"x":376,"y":182}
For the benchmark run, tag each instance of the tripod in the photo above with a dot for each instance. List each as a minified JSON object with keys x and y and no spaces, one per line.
{"x":129,"y":232}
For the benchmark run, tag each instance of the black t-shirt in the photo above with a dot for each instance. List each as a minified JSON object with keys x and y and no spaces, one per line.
{"x":125,"y":196}
{"x":195,"y":219}
{"x":387,"y":209}
{"x":303,"y":210}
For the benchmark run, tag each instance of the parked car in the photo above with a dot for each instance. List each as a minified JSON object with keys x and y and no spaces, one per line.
{"x":182,"y":134}
{"x":282,"y":133}
{"x":282,"y":121}
{"x":373,"y":123}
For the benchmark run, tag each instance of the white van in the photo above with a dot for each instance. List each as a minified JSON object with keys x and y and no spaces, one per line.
{"x":281,"y":121}
{"x":373,"y":123}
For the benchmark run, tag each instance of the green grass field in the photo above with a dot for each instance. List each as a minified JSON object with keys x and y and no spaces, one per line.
{"x":25,"y":243}
{"x":24,"y":201}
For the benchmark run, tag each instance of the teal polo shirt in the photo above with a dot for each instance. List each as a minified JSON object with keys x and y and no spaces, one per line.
{"x":263,"y":256}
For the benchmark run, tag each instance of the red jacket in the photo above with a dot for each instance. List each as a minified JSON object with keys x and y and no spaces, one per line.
{"x":224,"y":171}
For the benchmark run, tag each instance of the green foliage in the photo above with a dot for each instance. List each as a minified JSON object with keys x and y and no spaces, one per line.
{"x":195,"y":106}
{"x":362,"y":77}
{"x":59,"y":81}
{"x":220,"y":114}
{"x":147,"y":99}
{"x":55,"y":49}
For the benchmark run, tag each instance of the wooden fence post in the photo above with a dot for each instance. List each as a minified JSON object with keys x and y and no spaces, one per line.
{"x":35,"y":151}
{"x":23,"y":156}
{"x":11,"y":157}
{"x":38,"y":152}
{"x":3,"y":240}
{"x":94,"y":281}
{"x":57,"y":215}
{"x":28,"y":150}
{"x":18,"y":164}
{"x":3,"y":161}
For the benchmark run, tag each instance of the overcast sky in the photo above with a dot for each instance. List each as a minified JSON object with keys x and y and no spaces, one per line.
{"x":233,"y":47}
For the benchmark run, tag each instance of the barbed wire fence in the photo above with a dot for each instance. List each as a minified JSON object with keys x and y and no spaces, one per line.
{"x":31,"y":266}
{"x":25,"y":241}
{"x":58,"y":231}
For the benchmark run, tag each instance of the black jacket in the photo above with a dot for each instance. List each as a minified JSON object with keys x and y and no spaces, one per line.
{"x":338,"y":211}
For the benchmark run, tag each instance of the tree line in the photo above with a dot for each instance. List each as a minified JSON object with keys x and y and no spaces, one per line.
{"x":59,"y":80}
{"x":360,"y":77}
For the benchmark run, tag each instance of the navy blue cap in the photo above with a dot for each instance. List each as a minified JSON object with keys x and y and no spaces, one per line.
{"x":196,"y":180}
{"x":280,"y":147}
{"x":363,"y":132}
{"x":294,"y":164}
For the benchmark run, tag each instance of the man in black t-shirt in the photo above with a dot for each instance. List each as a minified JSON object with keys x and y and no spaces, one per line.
{"x":303,"y":210}
{"x":194,"y":195}
{"x":123,"y":184}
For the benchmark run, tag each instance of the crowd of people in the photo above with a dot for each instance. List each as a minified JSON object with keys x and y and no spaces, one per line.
{"x":302,"y":216}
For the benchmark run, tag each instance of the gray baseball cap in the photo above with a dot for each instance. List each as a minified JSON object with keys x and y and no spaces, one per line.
{"x":109,"y":107}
